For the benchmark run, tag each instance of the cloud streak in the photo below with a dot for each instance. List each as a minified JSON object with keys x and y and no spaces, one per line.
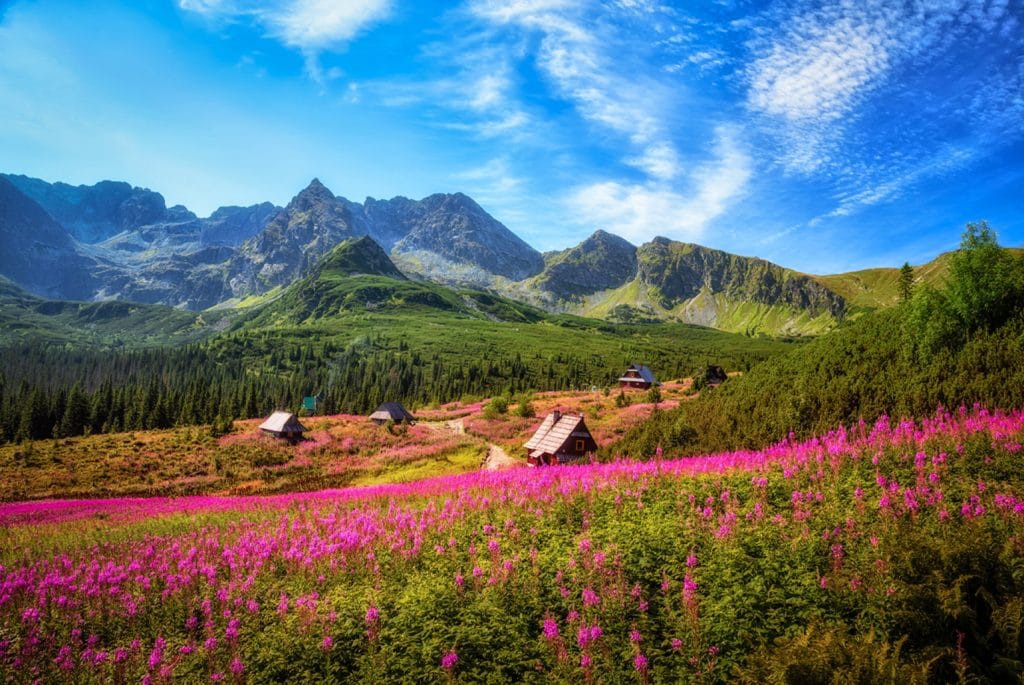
{"x":309,"y":26}
{"x":641,"y":211}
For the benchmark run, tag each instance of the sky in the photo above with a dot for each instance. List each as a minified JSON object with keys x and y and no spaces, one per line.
{"x":823,"y":136}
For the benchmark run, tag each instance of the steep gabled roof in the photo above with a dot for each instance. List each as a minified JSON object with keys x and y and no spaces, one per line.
{"x":645,"y":373}
{"x":393,"y":411}
{"x":282,"y":422}
{"x":553,"y":433}
{"x":544,"y":429}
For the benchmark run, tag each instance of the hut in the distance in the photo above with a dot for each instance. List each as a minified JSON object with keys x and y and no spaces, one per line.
{"x":391,"y":411}
{"x":561,"y":438}
{"x":638,"y":376}
{"x":283,"y":424}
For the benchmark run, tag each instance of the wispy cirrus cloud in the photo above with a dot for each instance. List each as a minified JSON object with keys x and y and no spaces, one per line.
{"x":310,"y":26}
{"x":588,"y":65}
{"x":811,"y":78}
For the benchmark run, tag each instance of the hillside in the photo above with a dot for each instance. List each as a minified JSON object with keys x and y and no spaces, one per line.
{"x":843,"y":558}
{"x":665,"y":280}
{"x":959,"y":346}
{"x":27,"y":319}
{"x":339,"y":450}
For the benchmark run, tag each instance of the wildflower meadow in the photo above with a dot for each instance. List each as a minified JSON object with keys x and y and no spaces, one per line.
{"x":891,"y":551}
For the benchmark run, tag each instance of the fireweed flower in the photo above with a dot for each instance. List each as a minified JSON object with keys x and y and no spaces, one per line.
{"x":550,"y":628}
{"x":449,"y":660}
{"x":640,"y":663}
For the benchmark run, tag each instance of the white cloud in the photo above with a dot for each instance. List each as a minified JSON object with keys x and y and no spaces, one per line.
{"x":809,"y":80}
{"x":641,"y":211}
{"x":584,"y":67}
{"x":310,"y":26}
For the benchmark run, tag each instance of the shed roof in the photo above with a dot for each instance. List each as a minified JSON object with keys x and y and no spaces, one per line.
{"x":393,"y":411}
{"x":282,"y":422}
{"x":554,"y":431}
{"x":645,"y":373}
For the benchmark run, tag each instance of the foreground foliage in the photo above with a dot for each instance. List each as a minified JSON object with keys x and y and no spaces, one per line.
{"x":886,"y":552}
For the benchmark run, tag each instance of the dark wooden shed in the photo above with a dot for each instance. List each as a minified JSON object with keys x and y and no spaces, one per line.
{"x":283,"y":424}
{"x":391,"y":411}
{"x":638,"y":376}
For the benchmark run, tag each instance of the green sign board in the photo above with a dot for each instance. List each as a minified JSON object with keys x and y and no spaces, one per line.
{"x":309,"y":403}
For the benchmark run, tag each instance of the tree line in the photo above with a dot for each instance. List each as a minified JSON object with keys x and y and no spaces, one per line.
{"x":62,"y":392}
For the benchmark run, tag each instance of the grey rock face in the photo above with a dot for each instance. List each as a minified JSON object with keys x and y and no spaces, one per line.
{"x":457,"y":229}
{"x":292,"y":242}
{"x":94,"y":213}
{"x":38,"y":253}
{"x":234,"y":225}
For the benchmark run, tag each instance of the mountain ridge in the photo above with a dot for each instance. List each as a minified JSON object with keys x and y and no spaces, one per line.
{"x":174,"y":257}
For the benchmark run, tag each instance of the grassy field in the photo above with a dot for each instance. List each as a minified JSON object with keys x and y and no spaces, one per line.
{"x":340,"y":450}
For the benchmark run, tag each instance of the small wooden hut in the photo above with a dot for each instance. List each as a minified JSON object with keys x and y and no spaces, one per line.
{"x":283,"y":424}
{"x":638,"y":376}
{"x":391,"y":411}
{"x":561,"y":438}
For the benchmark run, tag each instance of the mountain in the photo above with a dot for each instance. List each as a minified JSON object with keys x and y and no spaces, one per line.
{"x":447,"y":238}
{"x":292,"y":242}
{"x":601,"y":262}
{"x":26,"y":318}
{"x":234,"y":225}
{"x":357,"y":277}
{"x":39,"y":254}
{"x":665,"y":280}
{"x":447,"y":232}
{"x":97,"y":212}
{"x":142,"y":250}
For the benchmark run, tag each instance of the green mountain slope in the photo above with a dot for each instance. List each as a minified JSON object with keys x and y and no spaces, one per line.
{"x":25,"y":318}
{"x":665,"y":280}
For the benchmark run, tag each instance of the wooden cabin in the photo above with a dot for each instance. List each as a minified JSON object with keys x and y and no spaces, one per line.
{"x":561,"y":438}
{"x":283,"y":424}
{"x":391,"y":411}
{"x":638,"y":376}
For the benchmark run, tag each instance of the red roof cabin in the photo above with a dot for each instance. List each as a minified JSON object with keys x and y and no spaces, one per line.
{"x":561,"y":438}
{"x":638,"y":376}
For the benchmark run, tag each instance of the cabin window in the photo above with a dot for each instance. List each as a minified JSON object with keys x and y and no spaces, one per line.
{"x":580,"y":445}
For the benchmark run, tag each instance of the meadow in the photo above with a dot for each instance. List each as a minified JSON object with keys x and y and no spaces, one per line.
{"x":340,"y":450}
{"x":891,"y":551}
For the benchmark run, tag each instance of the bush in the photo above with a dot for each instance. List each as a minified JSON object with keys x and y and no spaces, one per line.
{"x":496,"y":408}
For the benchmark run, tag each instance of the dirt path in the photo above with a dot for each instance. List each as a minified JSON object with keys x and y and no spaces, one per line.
{"x":498,"y":458}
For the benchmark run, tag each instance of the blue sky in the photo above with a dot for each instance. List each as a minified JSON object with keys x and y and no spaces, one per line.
{"x":822,"y":136}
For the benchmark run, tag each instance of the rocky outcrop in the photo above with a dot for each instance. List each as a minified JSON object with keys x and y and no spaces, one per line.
{"x":458,"y":230}
{"x":292,"y":242}
{"x":600,"y":262}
